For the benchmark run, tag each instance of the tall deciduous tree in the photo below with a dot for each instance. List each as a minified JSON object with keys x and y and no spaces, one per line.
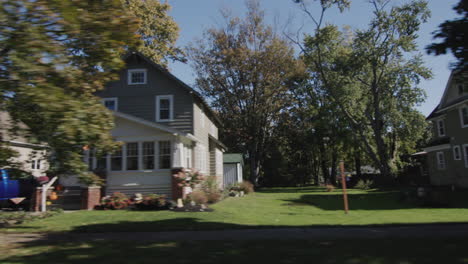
{"x":157,"y":29}
{"x":244,"y":68}
{"x":372,"y":77}
{"x":53,"y":56}
{"x":454,"y":37}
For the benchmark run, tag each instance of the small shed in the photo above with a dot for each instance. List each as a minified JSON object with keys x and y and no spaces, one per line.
{"x":233,"y":165}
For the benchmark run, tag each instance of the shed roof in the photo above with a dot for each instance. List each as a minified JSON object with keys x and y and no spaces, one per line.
{"x":233,"y":158}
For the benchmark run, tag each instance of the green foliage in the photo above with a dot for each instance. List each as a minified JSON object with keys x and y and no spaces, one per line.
{"x":54,"y":55}
{"x":453,"y":37}
{"x":152,"y":202}
{"x":211,"y":188}
{"x":158,"y":31}
{"x":371,"y":77}
{"x":364,"y":184}
{"x":245,"y":69}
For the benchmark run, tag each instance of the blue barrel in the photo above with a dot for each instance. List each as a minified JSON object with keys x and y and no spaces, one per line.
{"x":8,"y":188}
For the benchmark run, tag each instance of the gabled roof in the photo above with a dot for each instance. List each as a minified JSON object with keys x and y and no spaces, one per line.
{"x":233,"y":158}
{"x":197,"y":96}
{"x":442,"y":106}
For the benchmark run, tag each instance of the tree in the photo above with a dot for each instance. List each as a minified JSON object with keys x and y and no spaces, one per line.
{"x":453,"y":36}
{"x":245,"y":69}
{"x":371,"y":77}
{"x":54,"y":55}
{"x":158,"y":31}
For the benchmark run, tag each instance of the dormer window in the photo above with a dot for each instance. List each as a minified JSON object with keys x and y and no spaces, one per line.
{"x":164,"y":108}
{"x":137,"y":76}
{"x":110,"y":103}
{"x":441,"y":127}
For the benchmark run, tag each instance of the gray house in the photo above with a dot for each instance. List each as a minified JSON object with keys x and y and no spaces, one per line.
{"x":165,"y":126}
{"x":447,"y":152}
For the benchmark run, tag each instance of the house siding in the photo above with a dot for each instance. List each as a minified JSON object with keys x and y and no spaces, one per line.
{"x":140,"y":100}
{"x":455,"y":172}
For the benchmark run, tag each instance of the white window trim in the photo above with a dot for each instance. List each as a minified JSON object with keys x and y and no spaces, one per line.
{"x":439,"y":163}
{"x":171,"y":108}
{"x":111,"y":99}
{"x":461,"y":116}
{"x":129,"y":76}
{"x":438,"y":127}
{"x":456,"y":149}
{"x":465,"y":154}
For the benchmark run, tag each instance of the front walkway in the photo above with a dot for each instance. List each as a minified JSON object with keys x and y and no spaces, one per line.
{"x":331,"y":233}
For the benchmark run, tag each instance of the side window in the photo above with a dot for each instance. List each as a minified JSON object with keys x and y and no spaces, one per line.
{"x":148,"y":155}
{"x":111,"y":103}
{"x":441,"y":127}
{"x":136,"y":76}
{"x":116,"y":160}
{"x":164,"y":154}
{"x":464,"y":116}
{"x":440,"y":160}
{"x":164,"y":108}
{"x":456,"y":153}
{"x":132,"y":156}
{"x":465,"y":154}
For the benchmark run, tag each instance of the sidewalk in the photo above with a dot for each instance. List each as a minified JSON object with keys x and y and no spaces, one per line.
{"x":421,"y":231}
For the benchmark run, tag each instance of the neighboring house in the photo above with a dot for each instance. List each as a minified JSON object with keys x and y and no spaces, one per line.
{"x":164,"y":124}
{"x":233,"y":166}
{"x":447,"y":152}
{"x":30,"y":157}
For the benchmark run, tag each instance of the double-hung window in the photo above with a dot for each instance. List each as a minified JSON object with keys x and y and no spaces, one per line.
{"x":441,"y":127}
{"x":164,"y":108}
{"x":148,"y":155}
{"x":116,"y":160}
{"x":456,"y":153}
{"x":465,"y":154}
{"x":36,"y":164}
{"x":132,"y":156}
{"x":441,"y":160}
{"x":165,"y":154}
{"x":136,"y":76}
{"x":111,"y":103}
{"x":464,"y":116}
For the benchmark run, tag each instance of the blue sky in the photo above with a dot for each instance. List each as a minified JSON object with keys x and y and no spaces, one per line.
{"x":195,"y":16}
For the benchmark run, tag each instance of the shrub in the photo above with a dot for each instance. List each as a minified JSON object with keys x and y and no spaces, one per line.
{"x":247,"y":187}
{"x":364,"y":184}
{"x":211,"y":190}
{"x":330,"y":187}
{"x":199,"y":197}
{"x":189,"y":179}
{"x":115,"y":201}
{"x":152,"y":202}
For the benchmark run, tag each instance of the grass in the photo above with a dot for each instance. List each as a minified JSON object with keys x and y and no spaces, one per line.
{"x":275,"y":207}
{"x":401,"y":251}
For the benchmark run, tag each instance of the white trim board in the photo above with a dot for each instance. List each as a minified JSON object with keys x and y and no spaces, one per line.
{"x":436,"y":148}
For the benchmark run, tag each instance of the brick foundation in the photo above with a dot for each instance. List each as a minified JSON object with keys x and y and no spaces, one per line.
{"x":90,"y":197}
{"x":176,"y":189}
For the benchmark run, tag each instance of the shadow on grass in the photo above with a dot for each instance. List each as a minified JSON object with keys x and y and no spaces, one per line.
{"x":355,"y":251}
{"x":307,"y":189}
{"x":367,"y":201}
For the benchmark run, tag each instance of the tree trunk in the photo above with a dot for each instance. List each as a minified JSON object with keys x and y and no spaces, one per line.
{"x":324,"y":163}
{"x":357,"y":164}
{"x":254,"y":167}
{"x":333,"y":167}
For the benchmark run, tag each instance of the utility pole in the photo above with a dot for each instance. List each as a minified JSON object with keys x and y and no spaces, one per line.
{"x":343,"y":185}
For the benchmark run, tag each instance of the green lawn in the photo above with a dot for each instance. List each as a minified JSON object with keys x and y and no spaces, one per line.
{"x":281,"y":207}
{"x":402,"y":251}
